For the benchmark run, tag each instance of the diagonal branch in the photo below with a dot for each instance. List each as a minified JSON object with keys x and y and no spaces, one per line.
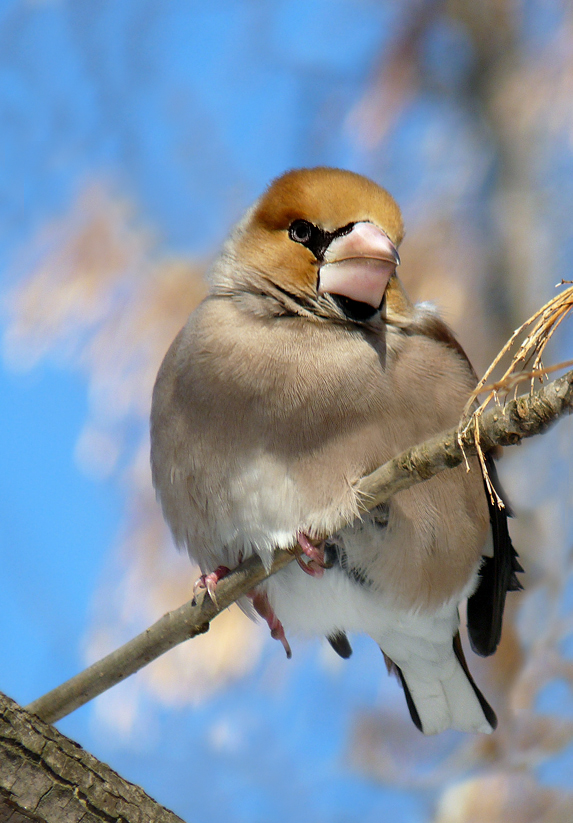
{"x":528,"y":415}
{"x":502,"y":426}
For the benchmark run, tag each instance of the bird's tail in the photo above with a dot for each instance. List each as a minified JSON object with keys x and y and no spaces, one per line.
{"x":444,"y":697}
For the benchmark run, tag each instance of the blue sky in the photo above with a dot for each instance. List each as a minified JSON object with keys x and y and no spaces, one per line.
{"x":188,"y":109}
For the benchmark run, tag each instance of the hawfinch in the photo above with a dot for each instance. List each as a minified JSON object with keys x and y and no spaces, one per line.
{"x":305,"y":368}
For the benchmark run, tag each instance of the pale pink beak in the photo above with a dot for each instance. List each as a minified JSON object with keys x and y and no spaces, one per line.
{"x":359,"y":264}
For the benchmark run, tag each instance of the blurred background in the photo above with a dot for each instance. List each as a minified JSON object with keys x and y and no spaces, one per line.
{"x":132,"y":135}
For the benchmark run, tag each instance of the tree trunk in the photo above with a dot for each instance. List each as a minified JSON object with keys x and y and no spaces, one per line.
{"x":47,"y":778}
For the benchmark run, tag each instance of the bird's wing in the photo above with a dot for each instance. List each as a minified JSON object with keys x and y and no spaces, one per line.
{"x":498,"y":573}
{"x":497,"y":576}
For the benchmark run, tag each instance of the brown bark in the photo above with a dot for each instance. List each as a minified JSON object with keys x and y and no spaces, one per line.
{"x":47,"y":778}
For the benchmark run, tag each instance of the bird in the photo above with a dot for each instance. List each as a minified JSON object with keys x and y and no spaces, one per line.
{"x":305,"y":368}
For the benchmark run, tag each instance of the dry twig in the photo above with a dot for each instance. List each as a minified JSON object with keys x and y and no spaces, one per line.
{"x":541,"y":327}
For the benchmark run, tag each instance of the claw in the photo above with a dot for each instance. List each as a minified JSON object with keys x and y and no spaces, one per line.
{"x":316,"y":565}
{"x":263,"y":607}
{"x":311,"y":567}
{"x":209,"y":582}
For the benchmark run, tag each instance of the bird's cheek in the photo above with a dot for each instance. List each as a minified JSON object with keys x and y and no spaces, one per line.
{"x":363,"y":279}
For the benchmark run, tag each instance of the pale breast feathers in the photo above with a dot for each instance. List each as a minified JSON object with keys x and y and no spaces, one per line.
{"x":270,"y":423}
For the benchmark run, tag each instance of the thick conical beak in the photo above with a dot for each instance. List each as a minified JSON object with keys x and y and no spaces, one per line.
{"x":359,"y":264}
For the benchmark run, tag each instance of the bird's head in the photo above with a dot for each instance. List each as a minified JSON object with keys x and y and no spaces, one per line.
{"x":323,"y":236}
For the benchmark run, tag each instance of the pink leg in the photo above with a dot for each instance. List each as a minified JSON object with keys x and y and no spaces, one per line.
{"x":315,"y":566}
{"x":209,"y":582}
{"x":263,"y":607}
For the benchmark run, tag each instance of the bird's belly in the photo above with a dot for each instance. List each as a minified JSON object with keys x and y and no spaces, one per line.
{"x":259,"y":509}
{"x":335,"y":602}
{"x":266,"y":504}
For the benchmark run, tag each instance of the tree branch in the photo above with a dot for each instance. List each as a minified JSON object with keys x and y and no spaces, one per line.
{"x":527,"y":416}
{"x":47,"y":778}
{"x":502,"y":426}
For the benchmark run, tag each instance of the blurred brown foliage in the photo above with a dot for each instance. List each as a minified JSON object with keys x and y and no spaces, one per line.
{"x":98,"y":294}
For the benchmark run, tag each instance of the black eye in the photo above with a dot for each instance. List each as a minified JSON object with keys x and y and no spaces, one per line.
{"x":300,"y":231}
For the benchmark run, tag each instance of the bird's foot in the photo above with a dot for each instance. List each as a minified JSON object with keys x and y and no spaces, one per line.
{"x":264,"y":608}
{"x":209,"y":582}
{"x":316,"y":565}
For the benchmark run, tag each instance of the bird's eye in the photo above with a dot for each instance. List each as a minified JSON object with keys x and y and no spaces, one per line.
{"x":300,"y":231}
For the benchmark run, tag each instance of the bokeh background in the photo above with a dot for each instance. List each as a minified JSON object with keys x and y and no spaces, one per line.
{"x":133,"y":133}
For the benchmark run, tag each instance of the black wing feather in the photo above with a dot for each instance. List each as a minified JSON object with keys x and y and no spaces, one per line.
{"x":498,"y":575}
{"x":340,"y":644}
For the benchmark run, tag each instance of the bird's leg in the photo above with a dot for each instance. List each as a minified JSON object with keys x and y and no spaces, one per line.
{"x":209,"y":582}
{"x":264,"y":608}
{"x":316,"y":565}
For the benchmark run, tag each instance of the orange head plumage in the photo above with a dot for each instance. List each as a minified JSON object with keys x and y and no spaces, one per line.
{"x":323,"y":230}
